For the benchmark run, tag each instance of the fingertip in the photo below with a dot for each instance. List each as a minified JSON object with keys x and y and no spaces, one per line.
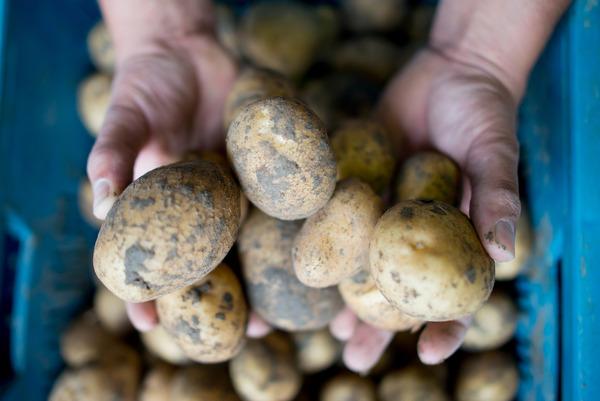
{"x":143,"y":316}
{"x":104,"y":197}
{"x":499,"y":241}
{"x":439,"y":340}
{"x":365,"y":348}
{"x":343,"y":326}
{"x":257,"y":326}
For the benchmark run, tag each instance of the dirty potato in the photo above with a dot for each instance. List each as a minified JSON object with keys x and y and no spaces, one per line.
{"x":348,"y":387}
{"x":489,"y":376}
{"x":101,"y":49}
{"x":84,"y":340}
{"x":93,"y":99}
{"x":168,"y":229}
{"x":162,"y":345}
{"x":92,"y":383}
{"x":493,"y":325}
{"x":412,"y":383}
{"x":205,"y":383}
{"x":111,"y":312}
{"x":156,"y":385}
{"x":333,"y":243}
{"x":208,"y":318}
{"x":316,"y":350}
{"x":523,"y":244}
{"x":274,"y":291}
{"x":428,"y":261}
{"x":281,"y":154}
{"x":366,"y":15}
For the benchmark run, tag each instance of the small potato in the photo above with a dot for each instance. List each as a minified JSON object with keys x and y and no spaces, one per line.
{"x":362,"y":150}
{"x":168,"y":229}
{"x":316,"y":350}
{"x":281,"y":154}
{"x":111,"y":312}
{"x":226,"y":29}
{"x":365,"y":15}
{"x":493,"y":325}
{"x":163,"y":345}
{"x":93,"y":99}
{"x":84,"y":341}
{"x":413,"y":383}
{"x":489,"y":376}
{"x":333,"y":243}
{"x":373,"y":57}
{"x":429,"y":176}
{"x":157,"y":383}
{"x":428,"y":261}
{"x":207,"y":319}
{"x":523,"y":244}
{"x":265,"y":247}
{"x":202,"y":383}
{"x":101,"y":48}
{"x":85,"y":199}
{"x":265,"y":370}
{"x":91,"y":383}
{"x":348,"y":387}
{"x":364,"y":298}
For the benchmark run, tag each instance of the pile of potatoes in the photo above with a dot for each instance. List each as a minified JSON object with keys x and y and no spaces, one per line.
{"x":307,"y":212}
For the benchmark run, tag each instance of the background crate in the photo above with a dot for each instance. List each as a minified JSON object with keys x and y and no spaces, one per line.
{"x":45,"y":246}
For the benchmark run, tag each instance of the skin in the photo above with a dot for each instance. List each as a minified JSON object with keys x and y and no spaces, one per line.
{"x":465,"y":84}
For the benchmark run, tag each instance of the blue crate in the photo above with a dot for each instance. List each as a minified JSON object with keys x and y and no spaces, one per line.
{"x":45,"y":246}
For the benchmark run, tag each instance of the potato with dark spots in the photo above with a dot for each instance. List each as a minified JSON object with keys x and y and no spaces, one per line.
{"x":364,"y":298}
{"x":255,"y":84}
{"x":281,"y":154}
{"x":333,"y":243}
{"x":488,"y":376}
{"x":429,"y":176}
{"x":93,"y":99}
{"x":274,"y":291}
{"x":365,"y":15}
{"x":493,"y":325}
{"x":101,"y":48}
{"x":156,"y":385}
{"x":362,"y":150}
{"x":412,"y":383}
{"x":168,"y":229}
{"x":316,"y":350}
{"x":428,"y":261}
{"x":111,"y":311}
{"x":348,"y":387}
{"x":265,"y":370}
{"x":205,"y":383}
{"x":162,"y":345}
{"x":85,"y":200}
{"x":92,"y":383}
{"x":207,"y":319}
{"x":523,"y":246}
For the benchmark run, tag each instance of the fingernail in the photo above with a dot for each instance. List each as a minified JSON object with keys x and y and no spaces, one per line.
{"x":504,"y":234}
{"x":104,"y":198}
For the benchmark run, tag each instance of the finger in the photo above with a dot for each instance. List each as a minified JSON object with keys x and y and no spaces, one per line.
{"x":439,"y":340}
{"x":365,"y":347}
{"x":465,"y":199}
{"x":257,"y":326}
{"x":343,"y":325}
{"x":152,"y":156}
{"x":143,"y":316}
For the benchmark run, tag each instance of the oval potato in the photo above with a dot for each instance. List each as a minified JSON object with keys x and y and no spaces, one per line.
{"x":316,"y":350}
{"x":488,"y":376}
{"x":493,"y":325}
{"x":93,"y":99}
{"x":365,"y":15}
{"x":202,"y":383}
{"x":348,"y":387}
{"x":156,"y":385}
{"x":91,"y":383}
{"x":412,"y":383}
{"x":101,"y":48}
{"x":111,"y":311}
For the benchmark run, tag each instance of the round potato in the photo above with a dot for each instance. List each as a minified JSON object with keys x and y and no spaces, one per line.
{"x":316,"y":350}
{"x":493,"y":325}
{"x":265,"y":370}
{"x":101,"y":49}
{"x":413,"y":383}
{"x":281,"y":154}
{"x":429,"y":176}
{"x":168,"y":229}
{"x":90,"y":383}
{"x":373,"y":57}
{"x":207,"y":319}
{"x":93,"y":99}
{"x":333,"y":243}
{"x":274,"y":291}
{"x":162,"y":345}
{"x":428,"y":261}
{"x":523,"y":244}
{"x":364,"y":298}
{"x":85,"y":198}
{"x":157,"y":383}
{"x":348,"y":387}
{"x":489,"y":376}
{"x":362,"y":150}
{"x":205,"y":383}
{"x":111,"y":312}
{"x":227,"y":30}
{"x":84,"y":341}
{"x":365,"y":15}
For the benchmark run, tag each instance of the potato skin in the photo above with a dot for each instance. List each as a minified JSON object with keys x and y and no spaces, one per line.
{"x":156,"y":385}
{"x":373,"y":57}
{"x":93,"y":99}
{"x":316,"y":350}
{"x":333,"y":244}
{"x":206,"y":383}
{"x":489,"y":376}
{"x":412,"y":383}
{"x":523,"y":244}
{"x":348,"y":387}
{"x":168,"y":229}
{"x":364,"y":15}
{"x":90,"y":383}
{"x":428,"y":261}
{"x":265,"y":246}
{"x":84,"y":340}
{"x":281,"y":154}
{"x":101,"y":48}
{"x":162,"y":345}
{"x":429,"y":176}
{"x":493,"y":325}
{"x":265,"y":370}
{"x":111,"y":311}
{"x":207,"y":319}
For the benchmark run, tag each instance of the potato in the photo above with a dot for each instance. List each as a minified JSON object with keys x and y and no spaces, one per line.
{"x":84,"y":340}
{"x":429,"y":176}
{"x":265,"y":248}
{"x":489,"y":376}
{"x":362,"y":150}
{"x":420,"y":21}
{"x":111,"y":311}
{"x":207,"y":319}
{"x":493,"y":325}
{"x":348,"y":387}
{"x":412,"y":383}
{"x":93,"y":99}
{"x":364,"y":298}
{"x":371,"y":56}
{"x":85,"y":199}
{"x":281,"y":154}
{"x":316,"y":350}
{"x":205,"y":383}
{"x":157,"y":383}
{"x":428,"y":261}
{"x":365,"y":15}
{"x":91,"y":383}
{"x":265,"y":370}
{"x":523,"y":244}
{"x":101,"y":48}
{"x":168,"y":229}
{"x":162,"y":345}
{"x":124,"y":366}
{"x":226,"y":28}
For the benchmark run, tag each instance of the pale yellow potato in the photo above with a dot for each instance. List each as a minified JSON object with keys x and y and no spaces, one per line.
{"x":266,"y":370}
{"x":84,"y":340}
{"x":167,"y":230}
{"x":101,"y":48}
{"x":412,"y":383}
{"x":368,"y":15}
{"x":488,"y":376}
{"x":348,"y":387}
{"x":207,"y":319}
{"x":92,"y":383}
{"x":156,"y":385}
{"x":85,"y":198}
{"x":93,"y":99}
{"x":162,"y":345}
{"x":282,"y":157}
{"x":316,"y":350}
{"x":333,"y":244}
{"x":523,"y":247}
{"x":202,"y":383}
{"x":111,"y":311}
{"x":428,"y":261}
